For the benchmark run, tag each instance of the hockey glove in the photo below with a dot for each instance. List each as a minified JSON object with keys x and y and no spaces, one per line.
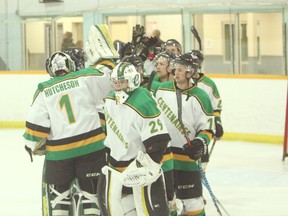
{"x":138,"y":34}
{"x":219,"y":131}
{"x":197,"y":149}
{"x":151,"y":42}
{"x":29,"y":152}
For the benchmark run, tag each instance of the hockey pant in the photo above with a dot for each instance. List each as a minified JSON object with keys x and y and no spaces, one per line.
{"x":144,"y":201}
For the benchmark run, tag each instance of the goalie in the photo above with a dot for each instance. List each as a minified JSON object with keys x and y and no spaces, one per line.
{"x":132,"y":184}
{"x":64,"y":111}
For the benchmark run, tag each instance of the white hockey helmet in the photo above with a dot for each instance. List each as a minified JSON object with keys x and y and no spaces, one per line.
{"x":124,"y":71}
{"x":60,"y":61}
{"x":127,"y":71}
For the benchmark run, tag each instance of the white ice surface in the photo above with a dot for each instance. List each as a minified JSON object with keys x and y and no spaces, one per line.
{"x":249,"y":179}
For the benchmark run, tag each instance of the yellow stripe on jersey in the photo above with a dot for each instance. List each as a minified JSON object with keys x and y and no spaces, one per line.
{"x":182,"y":157}
{"x":167,"y":157}
{"x":36,"y":133}
{"x":74,"y":145}
{"x":207,"y":133}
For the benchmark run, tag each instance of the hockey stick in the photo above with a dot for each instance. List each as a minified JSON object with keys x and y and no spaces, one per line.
{"x":179,"y":104}
{"x":204,"y":179}
{"x":214,"y":198}
{"x":212,"y":147}
{"x":196,"y":35}
{"x":40,"y":147}
{"x":149,"y":84}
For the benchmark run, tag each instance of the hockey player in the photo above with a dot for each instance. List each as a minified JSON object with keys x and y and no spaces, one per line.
{"x":137,"y":138}
{"x":139,"y":65}
{"x":209,"y":86}
{"x":64,"y":112}
{"x":173,"y":46}
{"x":190,"y":134}
{"x":164,"y":66}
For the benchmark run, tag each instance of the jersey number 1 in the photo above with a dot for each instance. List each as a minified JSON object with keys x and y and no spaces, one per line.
{"x":65,"y":102}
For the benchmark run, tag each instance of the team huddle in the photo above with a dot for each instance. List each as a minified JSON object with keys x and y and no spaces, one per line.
{"x":127,"y":135}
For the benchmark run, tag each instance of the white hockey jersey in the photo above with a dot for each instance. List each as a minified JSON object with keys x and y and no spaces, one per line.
{"x":197,"y":113}
{"x":131,"y":125}
{"x":64,"y":109}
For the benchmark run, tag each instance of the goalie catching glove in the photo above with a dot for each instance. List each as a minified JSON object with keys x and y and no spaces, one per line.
{"x":142,"y":171}
{"x":197,"y":149}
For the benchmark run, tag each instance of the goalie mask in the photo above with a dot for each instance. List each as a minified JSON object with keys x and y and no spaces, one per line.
{"x":125,"y":79}
{"x":60,"y":62}
{"x":78,"y":56}
{"x":47,"y":66}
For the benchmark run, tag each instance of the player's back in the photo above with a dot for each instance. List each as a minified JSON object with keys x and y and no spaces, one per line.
{"x":70,"y":102}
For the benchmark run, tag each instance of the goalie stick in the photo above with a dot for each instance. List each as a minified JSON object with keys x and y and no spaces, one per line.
{"x":196,"y":35}
{"x":203,"y":176}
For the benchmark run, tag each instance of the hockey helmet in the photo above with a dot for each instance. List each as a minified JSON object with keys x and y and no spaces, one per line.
{"x":126,"y":71}
{"x":60,"y":61}
{"x":190,"y":60}
{"x":136,"y":61}
{"x":199,"y":55}
{"x":78,"y":56}
{"x":173,"y":42}
{"x":168,"y":55}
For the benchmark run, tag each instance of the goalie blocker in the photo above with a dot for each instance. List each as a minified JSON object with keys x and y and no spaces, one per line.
{"x":148,"y":195}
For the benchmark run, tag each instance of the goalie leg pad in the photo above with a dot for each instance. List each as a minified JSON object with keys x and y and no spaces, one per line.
{"x":59,"y":200}
{"x":84,"y":203}
{"x":194,"y":206}
{"x":113,"y":192}
{"x":151,"y":200}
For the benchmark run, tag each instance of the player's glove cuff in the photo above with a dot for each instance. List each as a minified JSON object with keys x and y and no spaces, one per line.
{"x":197,"y":149}
{"x":219,"y":130}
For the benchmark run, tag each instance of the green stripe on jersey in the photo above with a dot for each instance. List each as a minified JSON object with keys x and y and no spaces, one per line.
{"x":141,"y":101}
{"x":195,"y":92}
{"x":76,"y":152}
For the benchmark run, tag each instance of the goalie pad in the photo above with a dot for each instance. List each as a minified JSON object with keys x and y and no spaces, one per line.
{"x":151,"y":200}
{"x":80,"y":198}
{"x":141,"y":172}
{"x":99,"y":44}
